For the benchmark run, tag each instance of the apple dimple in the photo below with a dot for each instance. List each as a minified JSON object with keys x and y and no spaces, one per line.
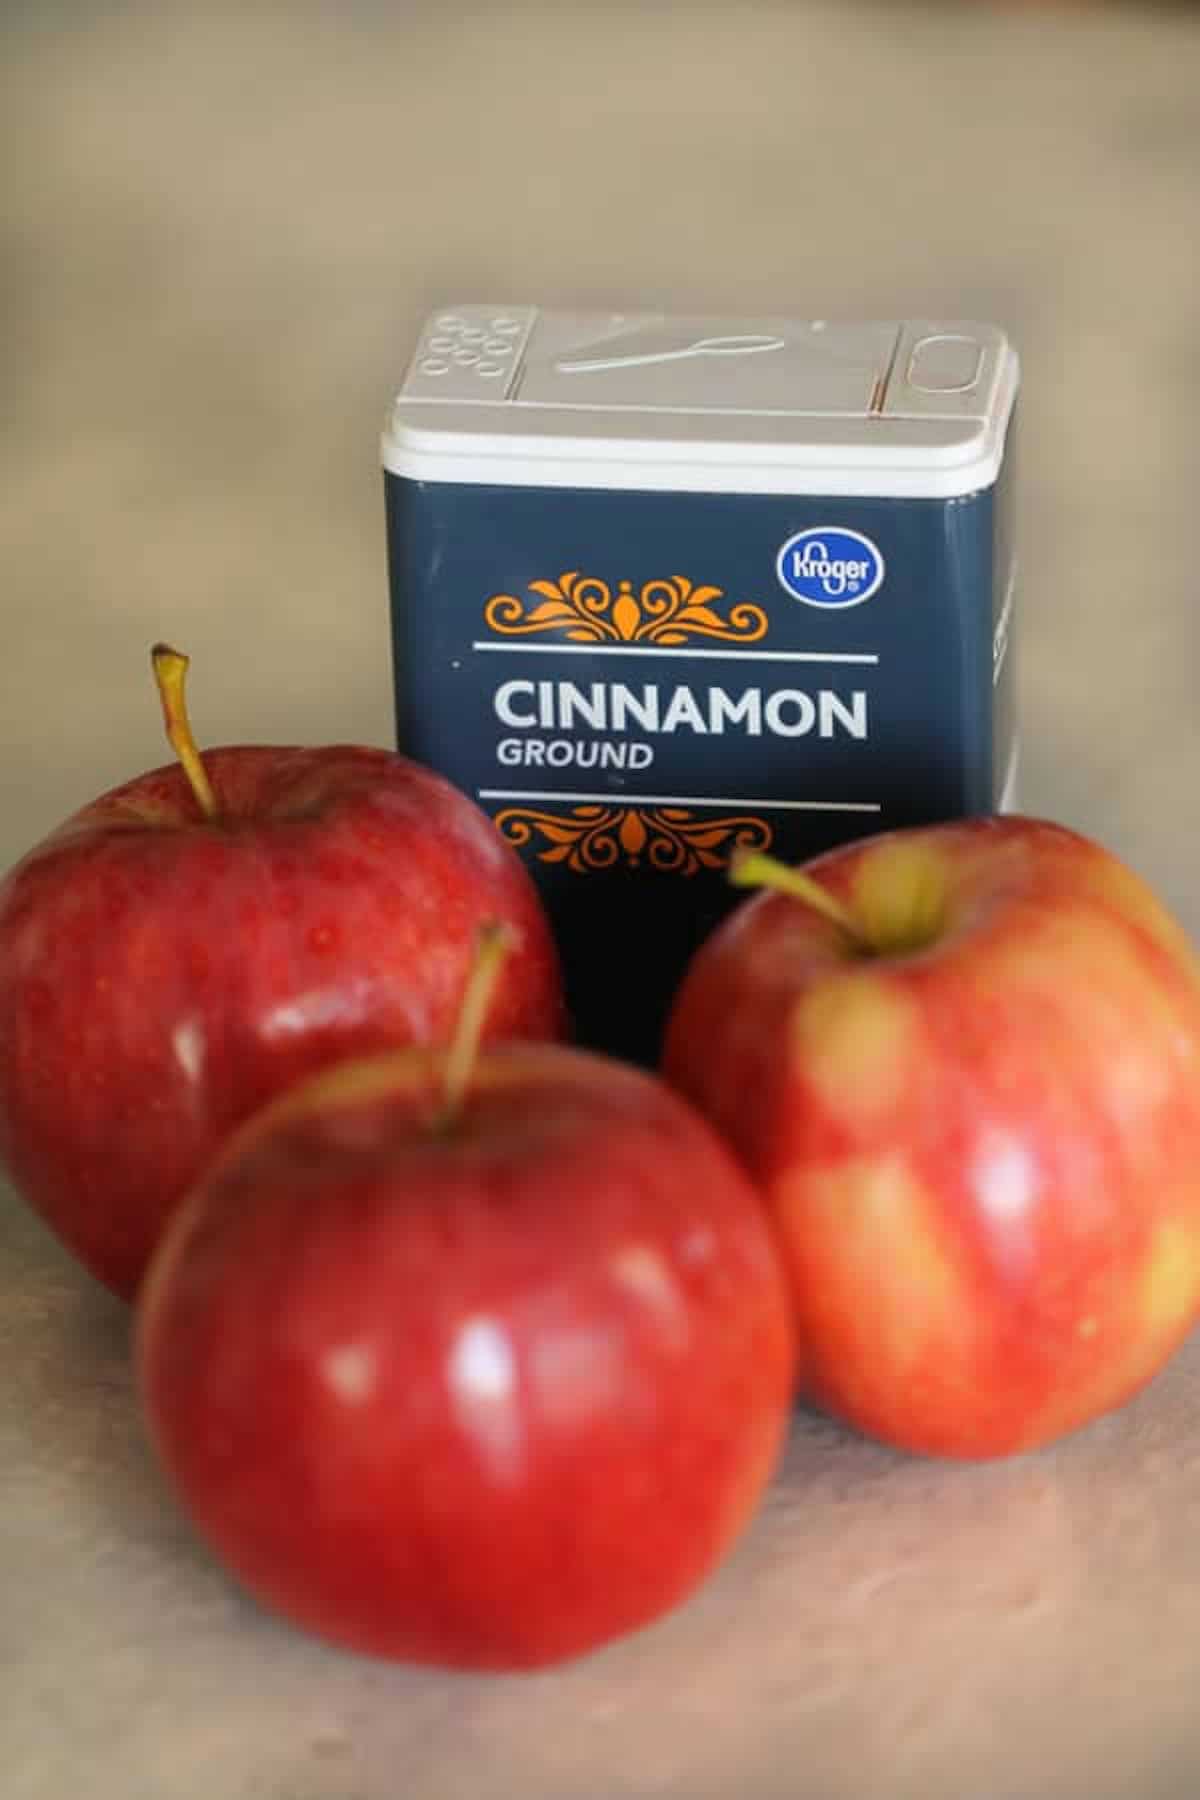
{"x":900,"y":895}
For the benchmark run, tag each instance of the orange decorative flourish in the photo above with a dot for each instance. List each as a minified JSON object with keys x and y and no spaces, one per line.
{"x":667,"y":838}
{"x":584,"y":610}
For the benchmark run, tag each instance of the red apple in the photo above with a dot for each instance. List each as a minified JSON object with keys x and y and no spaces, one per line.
{"x":964,"y":1065}
{"x":475,"y":1366}
{"x":195,"y":941}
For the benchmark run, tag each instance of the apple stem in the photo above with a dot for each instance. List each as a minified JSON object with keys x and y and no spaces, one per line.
{"x":754,"y":869}
{"x":491,"y":951}
{"x":170,"y":672}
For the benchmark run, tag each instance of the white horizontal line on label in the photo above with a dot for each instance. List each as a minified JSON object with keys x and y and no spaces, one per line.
{"x":787,"y":656}
{"x":856,"y":806}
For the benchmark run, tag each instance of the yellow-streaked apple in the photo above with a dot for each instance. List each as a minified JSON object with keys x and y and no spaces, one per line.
{"x":963,"y":1063}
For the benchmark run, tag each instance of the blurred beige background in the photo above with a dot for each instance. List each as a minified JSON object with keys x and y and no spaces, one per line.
{"x":221,"y":226}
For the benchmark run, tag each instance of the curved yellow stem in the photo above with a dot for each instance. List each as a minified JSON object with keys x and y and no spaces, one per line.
{"x":754,"y":869}
{"x":495,"y":943}
{"x":170,"y":673}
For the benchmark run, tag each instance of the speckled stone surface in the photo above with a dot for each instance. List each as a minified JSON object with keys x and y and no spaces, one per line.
{"x":220,"y":227}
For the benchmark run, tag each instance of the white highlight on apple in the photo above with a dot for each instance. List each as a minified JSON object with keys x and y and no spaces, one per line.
{"x":482,"y":1366}
{"x":310,"y":1011}
{"x":1005,"y":1179}
{"x":577,"y":1371}
{"x":642,"y":1273}
{"x":187,"y":1041}
{"x":350,"y":1372}
{"x":483,"y":1383}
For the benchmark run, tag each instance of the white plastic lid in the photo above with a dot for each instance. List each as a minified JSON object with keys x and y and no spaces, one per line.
{"x":648,"y":401}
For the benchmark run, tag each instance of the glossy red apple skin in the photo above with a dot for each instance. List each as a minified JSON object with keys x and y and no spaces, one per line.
{"x":479,"y":1397}
{"x":983,"y":1156}
{"x":161,"y":977}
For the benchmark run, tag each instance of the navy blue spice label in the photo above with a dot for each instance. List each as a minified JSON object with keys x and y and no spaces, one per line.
{"x":635,"y":685}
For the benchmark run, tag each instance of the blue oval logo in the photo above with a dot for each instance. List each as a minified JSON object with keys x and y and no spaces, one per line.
{"x":831,"y":567}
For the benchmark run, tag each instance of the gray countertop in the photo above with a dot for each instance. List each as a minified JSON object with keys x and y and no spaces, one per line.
{"x":223,"y":231}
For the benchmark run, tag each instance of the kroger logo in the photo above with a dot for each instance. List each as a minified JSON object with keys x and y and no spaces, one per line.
{"x":828,"y":566}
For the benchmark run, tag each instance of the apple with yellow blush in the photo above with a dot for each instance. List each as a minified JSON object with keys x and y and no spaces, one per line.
{"x":963,"y":1063}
